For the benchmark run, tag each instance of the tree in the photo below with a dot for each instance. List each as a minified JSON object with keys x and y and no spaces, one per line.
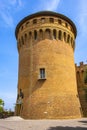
{"x":1,"y":105}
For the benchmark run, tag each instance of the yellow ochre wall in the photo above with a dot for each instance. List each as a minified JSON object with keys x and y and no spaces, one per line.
{"x":47,"y":40}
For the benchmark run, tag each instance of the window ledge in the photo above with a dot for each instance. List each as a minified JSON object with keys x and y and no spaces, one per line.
{"x":42,"y":79}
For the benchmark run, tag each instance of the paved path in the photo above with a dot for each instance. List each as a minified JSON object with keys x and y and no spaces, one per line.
{"x":72,"y":124}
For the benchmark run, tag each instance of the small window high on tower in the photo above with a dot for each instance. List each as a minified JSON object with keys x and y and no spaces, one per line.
{"x":42,"y":74}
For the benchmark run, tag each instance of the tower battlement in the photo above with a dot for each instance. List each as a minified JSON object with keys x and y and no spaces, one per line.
{"x":81,"y":67}
{"x":45,"y":25}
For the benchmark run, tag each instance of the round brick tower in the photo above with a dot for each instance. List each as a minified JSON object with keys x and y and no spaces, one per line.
{"x":46,"y":80}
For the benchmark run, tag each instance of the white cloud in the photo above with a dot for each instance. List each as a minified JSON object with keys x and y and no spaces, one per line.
{"x":81,"y":20}
{"x":7,"y":18}
{"x":50,"y":4}
{"x":8,"y":9}
{"x":15,"y":3}
{"x":20,"y":3}
{"x":82,"y":16}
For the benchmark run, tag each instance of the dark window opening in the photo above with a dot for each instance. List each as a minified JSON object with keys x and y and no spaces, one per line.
{"x":43,"y":20}
{"x":71,"y":29}
{"x":51,"y":20}
{"x":60,"y":35}
{"x":25,"y":37}
{"x":42,"y":73}
{"x":47,"y":34}
{"x":27,"y":23}
{"x":68,"y":38}
{"x":30,"y":35}
{"x":22,"y":28}
{"x":41,"y":34}
{"x":64,"y":36}
{"x":34,"y":21}
{"x":59,"y":21}
{"x":66,"y":24}
{"x":35,"y":35}
{"x":71,"y":40}
{"x":54,"y":34}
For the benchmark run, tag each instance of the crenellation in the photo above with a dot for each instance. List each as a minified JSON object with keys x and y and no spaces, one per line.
{"x":50,"y":27}
{"x":48,"y":21}
{"x":80,"y":66}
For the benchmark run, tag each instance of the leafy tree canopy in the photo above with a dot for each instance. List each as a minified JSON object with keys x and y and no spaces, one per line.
{"x":1,"y":105}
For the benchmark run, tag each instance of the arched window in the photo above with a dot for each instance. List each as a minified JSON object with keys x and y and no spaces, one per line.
{"x":73,"y":44}
{"x":22,"y":40}
{"x":47,"y":33}
{"x":71,"y":40}
{"x":64,"y":35}
{"x":51,"y":20}
{"x":35,"y":35}
{"x":54,"y":34}
{"x":68,"y":38}
{"x":25,"y":37}
{"x":60,"y":35}
{"x":30,"y":35}
{"x":22,"y":28}
{"x":41,"y":34}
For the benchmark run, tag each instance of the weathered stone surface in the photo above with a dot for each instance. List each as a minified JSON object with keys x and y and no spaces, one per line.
{"x":56,"y":96}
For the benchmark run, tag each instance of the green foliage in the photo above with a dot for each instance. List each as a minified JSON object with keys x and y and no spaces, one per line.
{"x":1,"y":109}
{"x":1,"y":105}
{"x":1,"y":102}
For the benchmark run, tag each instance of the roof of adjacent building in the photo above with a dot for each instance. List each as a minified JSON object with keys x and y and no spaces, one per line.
{"x":45,"y":13}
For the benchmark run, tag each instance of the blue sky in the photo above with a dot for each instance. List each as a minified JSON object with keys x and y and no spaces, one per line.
{"x":11,"y":12}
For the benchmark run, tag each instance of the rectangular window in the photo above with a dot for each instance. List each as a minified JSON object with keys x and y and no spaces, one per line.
{"x":27,"y":23}
{"x":43,"y":20}
{"x":34,"y":21}
{"x":66,"y":24}
{"x":42,"y":73}
{"x":51,"y":20}
{"x":59,"y":21}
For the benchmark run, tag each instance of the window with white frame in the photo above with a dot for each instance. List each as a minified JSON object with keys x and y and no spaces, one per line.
{"x":42,"y":73}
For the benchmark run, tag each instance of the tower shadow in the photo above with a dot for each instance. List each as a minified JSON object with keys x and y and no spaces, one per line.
{"x":38,"y":85}
{"x":66,"y":128}
{"x":83,"y":122}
